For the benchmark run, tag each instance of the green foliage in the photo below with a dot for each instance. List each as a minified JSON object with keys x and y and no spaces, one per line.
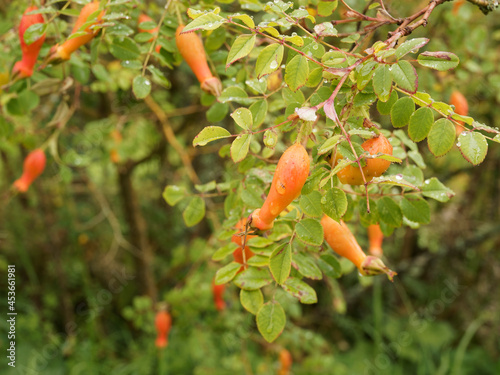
{"x":123,"y":124}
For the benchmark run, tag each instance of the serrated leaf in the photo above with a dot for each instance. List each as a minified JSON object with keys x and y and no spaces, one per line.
{"x":241,"y":47}
{"x":124,"y":48}
{"x":253,"y":278}
{"x":173,"y":194}
{"x":441,"y":138}
{"x":304,"y":263}
{"x":296,"y":72}
{"x":382,"y":82}
{"x":401,"y":112}
{"x":420,"y":124}
{"x":311,"y":204}
{"x":208,"y":21}
{"x":271,"y":320}
{"x":243,"y":118}
{"x":473,"y":146}
{"x":396,"y":180}
{"x":300,"y":290}
{"x":280,"y":262}
{"x":329,"y":144}
{"x":240,"y":147}
{"x":34,"y":32}
{"x":438,"y":60}
{"x":334,"y":203}
{"x":416,"y":209}
{"x":385,"y":108}
{"x":246,"y":19}
{"x":209,"y":134}
{"x":269,"y":60}
{"x":251,"y":300}
{"x":194,"y":212}
{"x":234,"y":94}
{"x":310,"y":231}
{"x":405,"y":76}
{"x":326,"y":8}
{"x":330,"y":266}
{"x":227,"y":273}
{"x":433,"y":188}
{"x":141,"y":86}
{"x":224,"y":251}
{"x":389,"y":212}
{"x":410,"y":46}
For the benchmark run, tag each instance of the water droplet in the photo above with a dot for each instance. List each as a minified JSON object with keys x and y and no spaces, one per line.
{"x":309,"y":54}
{"x":399,"y":177}
{"x":233,"y":79}
{"x":463,"y":133}
{"x":280,"y":187}
{"x":294,"y":34}
{"x":459,"y":144}
{"x":427,"y":182}
{"x":273,"y":65}
{"x":276,"y":1}
{"x":315,"y":47}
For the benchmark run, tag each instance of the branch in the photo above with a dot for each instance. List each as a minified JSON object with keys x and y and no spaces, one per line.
{"x":486,"y":6}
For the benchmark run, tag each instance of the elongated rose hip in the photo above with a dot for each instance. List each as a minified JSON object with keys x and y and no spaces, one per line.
{"x":63,"y":52}
{"x":163,"y":323}
{"x":24,"y":68}
{"x":285,"y":362}
{"x":191,"y":48}
{"x":374,"y":167}
{"x":289,"y":178}
{"x":375,"y":238}
{"x":343,"y":242}
{"x":218,"y":293}
{"x":33,"y":166}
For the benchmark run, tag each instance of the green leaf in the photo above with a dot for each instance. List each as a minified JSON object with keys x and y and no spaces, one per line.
{"x":296,"y":72}
{"x":473,"y":147}
{"x":311,"y":204}
{"x":416,"y":209}
{"x":240,"y":147}
{"x":300,"y":290}
{"x":173,"y":194}
{"x":243,"y":118}
{"x":251,"y":300}
{"x":233,"y":94}
{"x":246,"y":19}
{"x":209,"y":134}
{"x":438,"y":60}
{"x":441,"y":137}
{"x":401,"y":112}
{"x":389,"y":212}
{"x":259,"y":112}
{"x":385,"y":108}
{"x":382,"y":82}
{"x":241,"y":47}
{"x":259,"y":242}
{"x":227,"y":273}
{"x":334,"y":203}
{"x":269,"y":60}
{"x":280,"y":262}
{"x":310,"y":231}
{"x":34,"y":32}
{"x":271,"y":320}
{"x":208,"y":21}
{"x":410,"y":46}
{"x":330,"y":266}
{"x":420,"y":124}
{"x":194,"y":212}
{"x":304,"y":263}
{"x":405,"y":76}
{"x":217,"y":112}
{"x":326,"y":8}
{"x":434,"y":189}
{"x":253,"y":278}
{"x":329,"y":144}
{"x":124,"y":49}
{"x":141,"y":86}
{"x":224,"y":251}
